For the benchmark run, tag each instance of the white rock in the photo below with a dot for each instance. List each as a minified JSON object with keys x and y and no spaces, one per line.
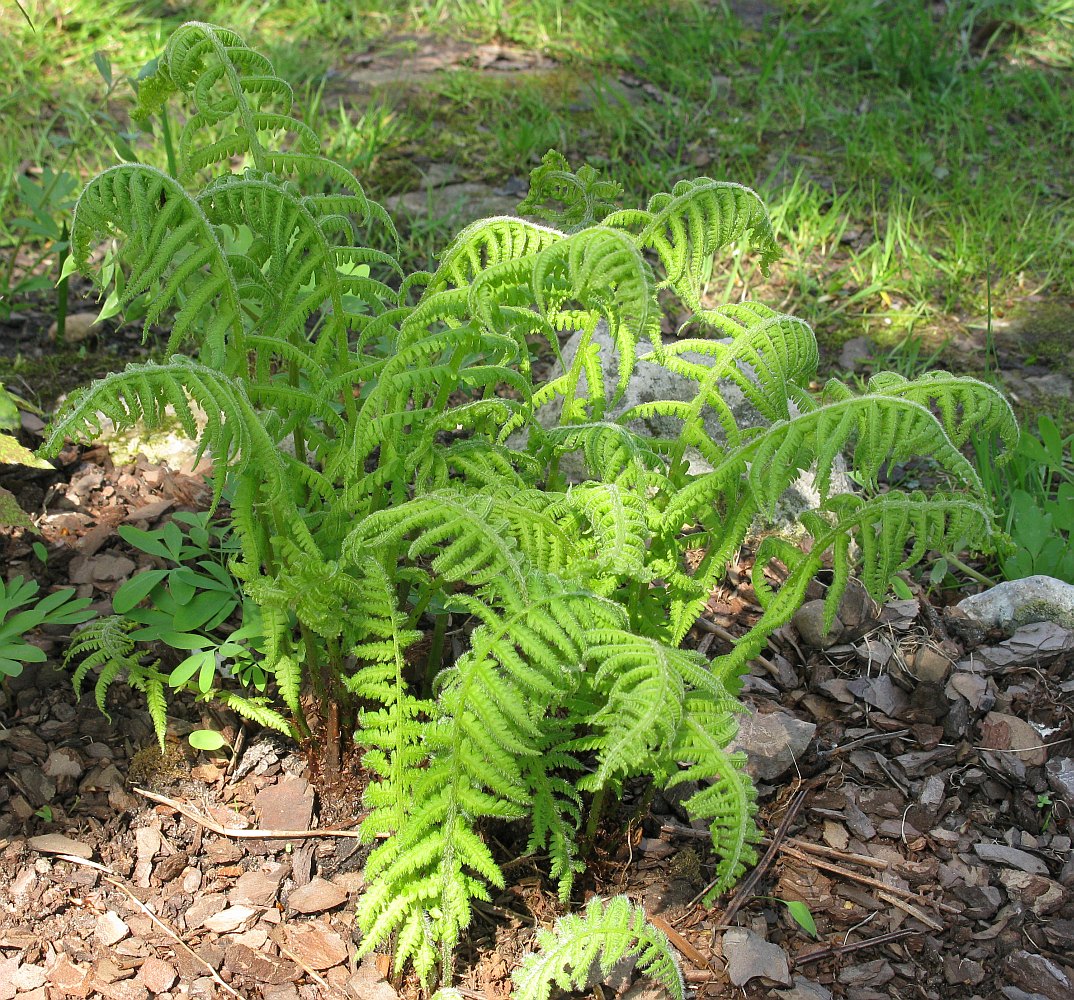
{"x":1020,"y":602}
{"x":111,"y":929}
{"x":651,"y":382}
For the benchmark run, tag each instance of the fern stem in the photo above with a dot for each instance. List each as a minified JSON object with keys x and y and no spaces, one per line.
{"x":596,"y":809}
{"x":169,"y":143}
{"x":436,"y":650}
{"x":61,"y":287}
{"x":969,"y":570}
{"x":298,"y":435}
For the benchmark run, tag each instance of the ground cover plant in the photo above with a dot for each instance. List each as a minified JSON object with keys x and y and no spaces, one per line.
{"x":377,"y":432}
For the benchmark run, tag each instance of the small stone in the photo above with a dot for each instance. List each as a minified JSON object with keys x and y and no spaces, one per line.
{"x":874,"y":973}
{"x":1060,"y":774}
{"x":30,"y":977}
{"x":64,"y":975}
{"x":157,"y":975}
{"x":109,"y":568}
{"x":368,"y":984}
{"x":1038,"y":974}
{"x":202,"y":908}
{"x":962,"y":971}
{"x":809,"y":621}
{"x":316,"y":897}
{"x":804,"y":989}
{"x":749,"y":956}
{"x":316,"y":945}
{"x":287,"y":805}
{"x":855,"y":353}
{"x":1012,"y":857}
{"x":229,"y":920}
{"x":242,"y":960}
{"x":933,"y":794}
{"x":835,"y":835}
{"x":125,"y":989}
{"x":287,"y":991}
{"x":57,"y":843}
{"x":1040,"y":894}
{"x":256,"y":888}
{"x":76,"y":327}
{"x":772,"y":743}
{"x":63,"y":764}
{"x":930,"y":666}
{"x":110,"y":929}
{"x":880,"y":692}
{"x":8,"y":968}
{"x":972,"y":687}
{"x":1000,"y":731}
{"x":1052,"y":384}
{"x":1019,"y":602}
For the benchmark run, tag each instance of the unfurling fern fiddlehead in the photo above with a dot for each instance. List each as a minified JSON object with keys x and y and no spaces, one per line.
{"x":393,"y":468}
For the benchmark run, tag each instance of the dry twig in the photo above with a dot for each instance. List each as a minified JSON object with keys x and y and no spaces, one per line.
{"x":832,"y":951}
{"x":866,"y":880}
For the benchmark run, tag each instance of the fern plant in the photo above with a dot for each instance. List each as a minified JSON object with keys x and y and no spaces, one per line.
{"x":366,"y":423}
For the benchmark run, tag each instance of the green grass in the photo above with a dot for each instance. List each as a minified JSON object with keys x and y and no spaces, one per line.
{"x":907,"y":158}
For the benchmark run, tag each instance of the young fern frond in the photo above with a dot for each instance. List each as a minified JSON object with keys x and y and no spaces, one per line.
{"x":157,"y":394}
{"x":617,"y":520}
{"x":486,"y":243}
{"x":522,"y":663}
{"x":727,"y":797}
{"x":602,"y":269}
{"x":639,"y":685}
{"x":237,"y":98}
{"x":880,"y":429}
{"x":584,"y":196}
{"x":609,"y":931}
{"x":966,"y":405}
{"x":687,"y":226}
{"x":106,"y":643}
{"x":173,"y":253}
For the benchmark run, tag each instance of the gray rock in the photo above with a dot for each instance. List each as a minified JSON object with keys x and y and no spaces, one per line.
{"x":1020,"y":602}
{"x":772,"y":743}
{"x":1013,"y":993}
{"x":1038,"y":974}
{"x":459,"y":204}
{"x":651,"y":382}
{"x":809,"y":620}
{"x":1052,"y":384}
{"x":1012,"y":857}
{"x":805,"y":989}
{"x":750,"y":956}
{"x":855,"y":352}
{"x":1033,"y":644}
